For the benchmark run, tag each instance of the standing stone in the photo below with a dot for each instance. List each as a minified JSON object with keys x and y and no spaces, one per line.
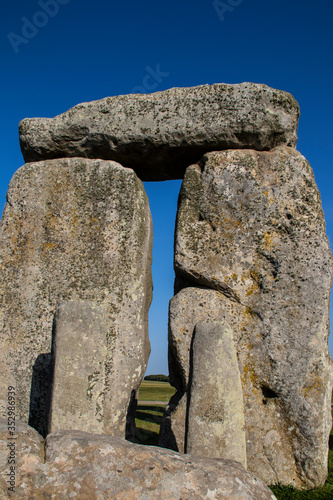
{"x":250,"y":226}
{"x":188,"y":308}
{"x":194,"y":305}
{"x":160,"y":134}
{"x":80,"y":351}
{"x":74,"y":230}
{"x":215,"y":406}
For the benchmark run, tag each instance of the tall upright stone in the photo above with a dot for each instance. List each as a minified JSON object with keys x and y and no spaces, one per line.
{"x":215,"y":401}
{"x":74,"y":230}
{"x":251,"y":229}
{"x":253,"y":276}
{"x":80,"y":359}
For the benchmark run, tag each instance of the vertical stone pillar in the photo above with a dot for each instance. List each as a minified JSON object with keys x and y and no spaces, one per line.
{"x":81,"y":358}
{"x":75,"y":230}
{"x":251,"y":251}
{"x":216,"y":423}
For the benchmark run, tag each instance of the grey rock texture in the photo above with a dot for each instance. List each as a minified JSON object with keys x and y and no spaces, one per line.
{"x":188,"y":308}
{"x":251,"y":230}
{"x":215,"y":402}
{"x":91,"y":466}
{"x":160,"y":134}
{"x":248,"y":325}
{"x":27,"y":445}
{"x":81,"y":357}
{"x":74,"y":230}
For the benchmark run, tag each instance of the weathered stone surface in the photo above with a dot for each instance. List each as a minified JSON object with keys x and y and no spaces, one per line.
{"x":160,"y":134}
{"x":90,"y":466}
{"x":215,"y":398}
{"x":250,"y":225}
{"x":188,"y":308}
{"x":80,"y":360}
{"x":73,"y":230}
{"x":18,"y":456}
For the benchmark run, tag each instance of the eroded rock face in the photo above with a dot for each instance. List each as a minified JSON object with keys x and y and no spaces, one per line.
{"x":74,"y":230}
{"x":80,"y":360}
{"x":248,"y":324}
{"x":160,"y":134}
{"x":215,"y":397}
{"x":251,"y":230}
{"x":83,"y":465}
{"x":21,"y":447}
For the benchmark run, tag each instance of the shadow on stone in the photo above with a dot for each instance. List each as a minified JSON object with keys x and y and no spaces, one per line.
{"x":167,"y":438}
{"x":40,"y":393}
{"x":146,"y":416}
{"x":188,"y":400}
{"x":145,"y":437}
{"x":130,"y":418}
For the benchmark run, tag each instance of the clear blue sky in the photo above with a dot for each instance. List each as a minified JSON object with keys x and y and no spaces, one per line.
{"x":83,"y":50}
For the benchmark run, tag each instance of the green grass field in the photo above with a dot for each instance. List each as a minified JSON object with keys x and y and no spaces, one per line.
{"x":155,"y":391}
{"x":148,"y":419}
{"x":149,"y":416}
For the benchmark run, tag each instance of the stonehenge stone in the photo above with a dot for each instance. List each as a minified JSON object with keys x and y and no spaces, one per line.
{"x":189,"y":307}
{"x":26,"y":450}
{"x":251,"y":234}
{"x":215,"y":397}
{"x":82,"y":465}
{"x":74,"y":230}
{"x":80,"y":359}
{"x":160,"y":134}
{"x":248,"y":325}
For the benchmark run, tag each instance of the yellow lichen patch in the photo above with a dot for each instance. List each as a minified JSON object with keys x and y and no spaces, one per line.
{"x":269,"y":198}
{"x":249,"y":372}
{"x":244,"y":277}
{"x":230,"y":225}
{"x":314,"y":384}
{"x":48,"y":246}
{"x":227,"y":280}
{"x":253,"y":289}
{"x":183,"y":331}
{"x":270,"y":241}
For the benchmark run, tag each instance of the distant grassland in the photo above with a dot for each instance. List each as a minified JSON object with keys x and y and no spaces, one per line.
{"x":155,"y":391}
{"x":149,"y":416}
{"x":148,"y":419}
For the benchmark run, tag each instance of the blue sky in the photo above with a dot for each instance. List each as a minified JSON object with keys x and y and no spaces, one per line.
{"x":57,"y":53}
